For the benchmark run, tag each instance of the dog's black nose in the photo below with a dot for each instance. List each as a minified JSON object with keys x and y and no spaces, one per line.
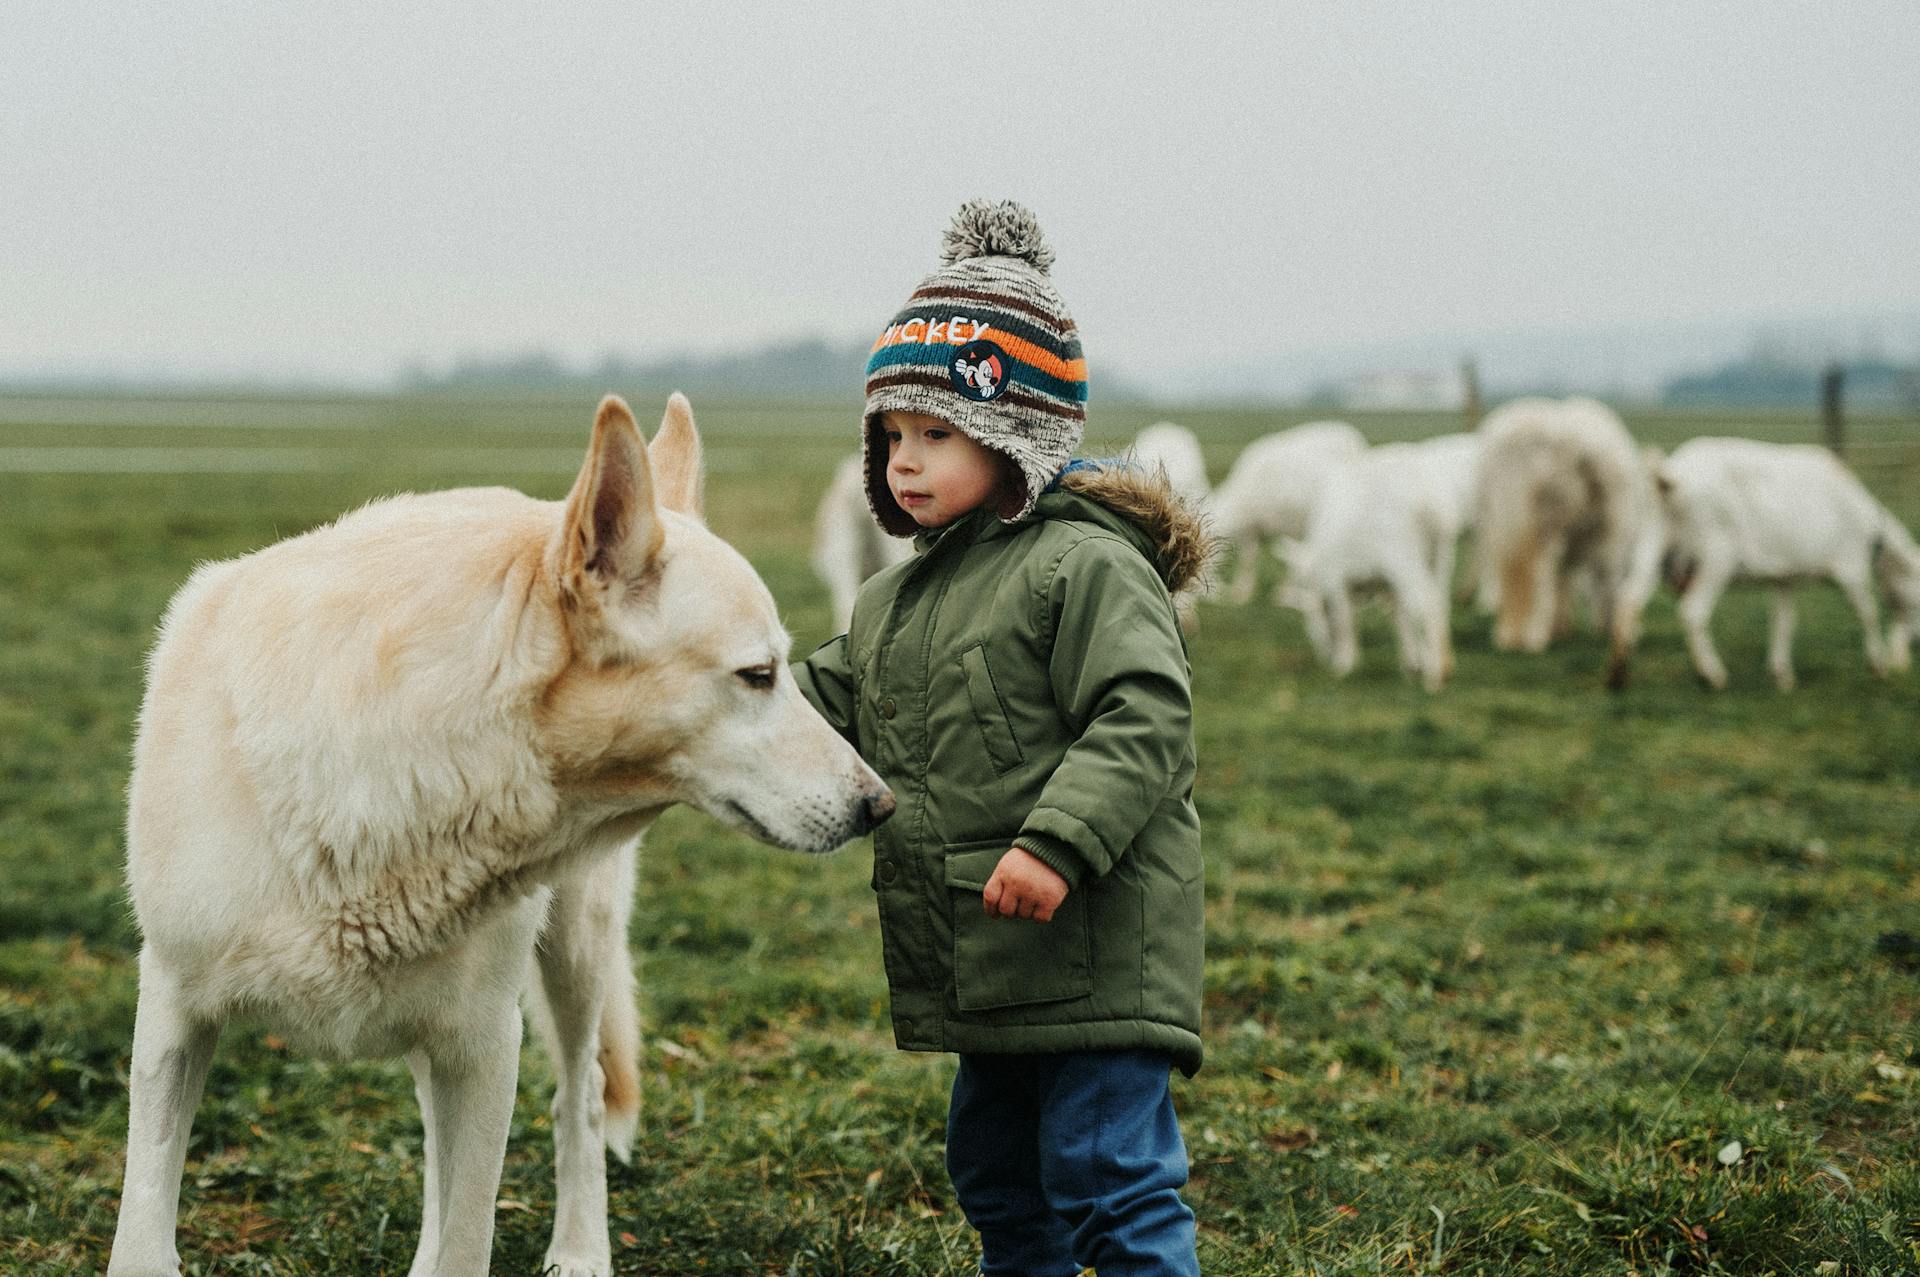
{"x":877,"y":807}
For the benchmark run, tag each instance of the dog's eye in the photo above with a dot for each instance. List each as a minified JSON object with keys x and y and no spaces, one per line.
{"x":759,"y":677}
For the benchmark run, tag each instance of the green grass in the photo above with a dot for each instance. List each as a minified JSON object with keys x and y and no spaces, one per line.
{"x":1496,"y":978}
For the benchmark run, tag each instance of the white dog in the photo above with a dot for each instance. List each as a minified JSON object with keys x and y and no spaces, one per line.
{"x":378,"y":761}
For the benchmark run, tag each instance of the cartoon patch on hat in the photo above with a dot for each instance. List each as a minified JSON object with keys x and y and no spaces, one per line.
{"x":979,"y":370}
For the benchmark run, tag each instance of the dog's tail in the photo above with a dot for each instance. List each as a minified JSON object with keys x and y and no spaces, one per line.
{"x":619,"y":1046}
{"x":620,"y":1056}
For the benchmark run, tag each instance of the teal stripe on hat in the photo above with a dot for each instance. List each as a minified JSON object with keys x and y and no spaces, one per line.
{"x":919,"y":354}
{"x":910,"y":352}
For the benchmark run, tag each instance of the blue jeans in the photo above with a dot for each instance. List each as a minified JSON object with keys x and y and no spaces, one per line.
{"x":1069,"y":1161}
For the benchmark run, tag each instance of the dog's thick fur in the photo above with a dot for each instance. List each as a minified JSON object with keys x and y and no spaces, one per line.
{"x":391,"y":769}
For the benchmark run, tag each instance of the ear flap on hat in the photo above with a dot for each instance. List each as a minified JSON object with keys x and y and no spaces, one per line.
{"x":1013,"y":497}
{"x":886,"y":511}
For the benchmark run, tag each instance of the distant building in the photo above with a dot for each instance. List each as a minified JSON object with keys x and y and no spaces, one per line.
{"x":1403,"y":390}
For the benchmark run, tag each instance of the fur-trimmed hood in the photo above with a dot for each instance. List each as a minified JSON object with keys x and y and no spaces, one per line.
{"x":1140,"y":504}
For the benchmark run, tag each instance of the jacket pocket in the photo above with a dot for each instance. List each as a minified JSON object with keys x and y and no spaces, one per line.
{"x":989,"y":711}
{"x":1010,"y":962}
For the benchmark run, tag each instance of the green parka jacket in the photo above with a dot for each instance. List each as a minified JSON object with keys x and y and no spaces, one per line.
{"x":1027,"y":684}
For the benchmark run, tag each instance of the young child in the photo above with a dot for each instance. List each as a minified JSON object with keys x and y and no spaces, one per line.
{"x":1022,"y":685}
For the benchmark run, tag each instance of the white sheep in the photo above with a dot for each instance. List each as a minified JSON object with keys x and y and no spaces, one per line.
{"x":1449,"y":485}
{"x":1270,"y":491}
{"x":1566,"y":501}
{"x":1381,"y":518}
{"x":1174,"y":449}
{"x":1738,"y":509}
{"x":848,"y":546}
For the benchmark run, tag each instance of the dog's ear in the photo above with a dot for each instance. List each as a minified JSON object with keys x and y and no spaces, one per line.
{"x":611,"y":529}
{"x":678,"y":471}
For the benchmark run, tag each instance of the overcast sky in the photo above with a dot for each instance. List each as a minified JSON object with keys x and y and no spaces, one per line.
{"x":343,"y":189}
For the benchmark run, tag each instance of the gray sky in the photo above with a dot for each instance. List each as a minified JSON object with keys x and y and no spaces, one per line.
{"x":341,"y":189}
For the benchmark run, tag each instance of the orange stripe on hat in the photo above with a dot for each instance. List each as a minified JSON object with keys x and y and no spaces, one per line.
{"x":1037,"y":356}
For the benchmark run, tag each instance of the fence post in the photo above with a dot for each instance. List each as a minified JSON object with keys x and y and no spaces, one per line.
{"x":1470,"y":392}
{"x":1833,"y":426}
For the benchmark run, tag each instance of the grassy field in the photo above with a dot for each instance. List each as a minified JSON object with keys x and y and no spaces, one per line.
{"x":1520,"y":978}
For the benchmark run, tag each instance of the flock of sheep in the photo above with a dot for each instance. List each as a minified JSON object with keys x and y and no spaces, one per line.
{"x":1563,"y":506}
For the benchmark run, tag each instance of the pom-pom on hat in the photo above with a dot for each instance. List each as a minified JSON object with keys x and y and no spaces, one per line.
{"x":986,"y":345}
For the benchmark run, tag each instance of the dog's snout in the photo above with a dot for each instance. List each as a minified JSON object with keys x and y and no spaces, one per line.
{"x":875,"y":808}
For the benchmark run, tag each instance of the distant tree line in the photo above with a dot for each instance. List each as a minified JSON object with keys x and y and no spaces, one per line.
{"x":806,"y":368}
{"x":809,"y":368}
{"x":1760,"y":380}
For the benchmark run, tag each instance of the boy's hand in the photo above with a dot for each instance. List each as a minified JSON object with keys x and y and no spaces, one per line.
{"x":1023,"y":886}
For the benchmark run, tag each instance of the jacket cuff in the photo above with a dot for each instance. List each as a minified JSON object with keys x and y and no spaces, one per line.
{"x":1056,"y":854}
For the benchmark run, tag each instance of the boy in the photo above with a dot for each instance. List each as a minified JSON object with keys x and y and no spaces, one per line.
{"x":1022,"y":685}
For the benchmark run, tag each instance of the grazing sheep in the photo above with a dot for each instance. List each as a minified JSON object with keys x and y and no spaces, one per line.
{"x":1567,"y":500}
{"x":1380,"y":518}
{"x":1174,"y":449}
{"x":1738,"y":509}
{"x":1271,"y":489}
{"x":1899,"y":564}
{"x":1449,"y":484}
{"x":848,"y":546}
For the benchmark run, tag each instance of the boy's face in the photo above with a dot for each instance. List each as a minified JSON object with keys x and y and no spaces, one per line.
{"x":934,"y":471}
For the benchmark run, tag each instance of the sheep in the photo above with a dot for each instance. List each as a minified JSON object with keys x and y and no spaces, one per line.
{"x":1738,"y":509}
{"x":1899,"y":564}
{"x":1450,"y":475}
{"x":1567,"y":501}
{"x":1173,"y":450}
{"x":848,"y":546}
{"x":1381,"y":517}
{"x":1270,"y":491}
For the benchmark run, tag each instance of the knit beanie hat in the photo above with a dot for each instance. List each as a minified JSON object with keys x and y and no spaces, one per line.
{"x":987,"y":346}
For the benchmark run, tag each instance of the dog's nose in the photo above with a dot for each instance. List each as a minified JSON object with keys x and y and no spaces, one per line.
{"x":877,"y":807}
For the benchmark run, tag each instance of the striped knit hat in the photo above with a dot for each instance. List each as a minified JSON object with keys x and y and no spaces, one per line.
{"x":986,"y":345}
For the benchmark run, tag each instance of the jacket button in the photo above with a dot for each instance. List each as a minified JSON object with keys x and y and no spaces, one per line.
{"x":888,"y":871}
{"x":886,"y":707}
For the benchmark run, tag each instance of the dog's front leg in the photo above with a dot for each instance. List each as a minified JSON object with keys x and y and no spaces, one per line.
{"x":427,"y":1254}
{"x":469,"y":1085}
{"x":170,"y":1056}
{"x":585,"y":977}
